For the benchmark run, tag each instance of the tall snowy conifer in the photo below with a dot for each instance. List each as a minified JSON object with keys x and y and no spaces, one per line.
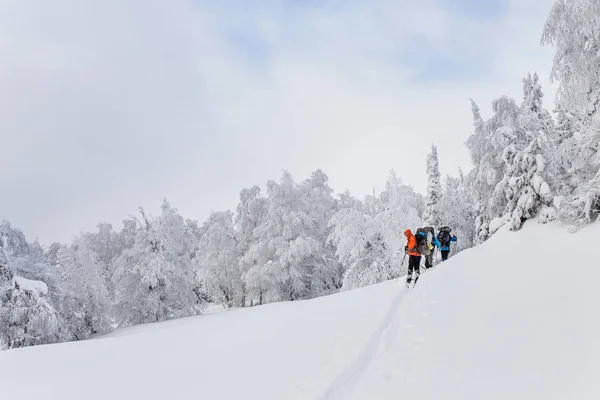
{"x":526,"y":188}
{"x":572,"y":28}
{"x":431,"y":215}
{"x":487,"y":147}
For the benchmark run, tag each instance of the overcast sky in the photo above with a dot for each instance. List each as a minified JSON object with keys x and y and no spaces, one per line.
{"x":108,"y":106}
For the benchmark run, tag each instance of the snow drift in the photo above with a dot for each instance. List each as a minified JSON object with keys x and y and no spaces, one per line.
{"x":515,"y":317}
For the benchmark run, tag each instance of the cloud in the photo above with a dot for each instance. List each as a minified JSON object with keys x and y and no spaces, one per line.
{"x":108,"y":106}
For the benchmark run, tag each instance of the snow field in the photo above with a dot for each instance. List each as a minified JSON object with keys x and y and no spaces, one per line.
{"x":513,"y":318}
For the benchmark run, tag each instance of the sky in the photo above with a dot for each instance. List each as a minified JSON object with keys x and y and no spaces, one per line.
{"x":109,"y":106}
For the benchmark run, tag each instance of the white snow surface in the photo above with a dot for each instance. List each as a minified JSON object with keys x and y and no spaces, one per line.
{"x":514,"y":318}
{"x":498,"y":223}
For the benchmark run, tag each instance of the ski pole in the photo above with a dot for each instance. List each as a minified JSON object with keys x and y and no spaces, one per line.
{"x":401,"y":265}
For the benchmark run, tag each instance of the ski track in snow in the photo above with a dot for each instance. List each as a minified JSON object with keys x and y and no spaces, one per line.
{"x":342,"y":387}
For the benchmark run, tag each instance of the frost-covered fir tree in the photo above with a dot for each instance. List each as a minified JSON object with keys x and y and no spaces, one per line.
{"x":154,"y":279}
{"x":487,"y":146}
{"x":524,"y":183}
{"x":478,"y":147}
{"x":564,"y":158}
{"x":86,"y":305}
{"x":572,"y":28}
{"x":217,"y":260}
{"x":431,"y":215}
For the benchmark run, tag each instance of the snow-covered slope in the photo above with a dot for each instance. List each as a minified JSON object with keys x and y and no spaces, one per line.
{"x":515,"y":318}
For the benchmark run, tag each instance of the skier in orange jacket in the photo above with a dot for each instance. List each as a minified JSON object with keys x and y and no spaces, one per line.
{"x":414,"y":257}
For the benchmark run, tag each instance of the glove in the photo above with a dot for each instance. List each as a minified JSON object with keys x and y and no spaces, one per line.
{"x":406,"y":249}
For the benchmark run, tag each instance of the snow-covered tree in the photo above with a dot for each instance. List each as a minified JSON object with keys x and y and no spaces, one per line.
{"x":399,"y":207}
{"x":346,"y":200}
{"x":217,"y":260}
{"x":285,"y":250}
{"x":367,"y":249}
{"x":487,"y":146}
{"x":27,"y":315}
{"x":582,"y":207}
{"x":27,"y":318}
{"x":16,"y":244}
{"x":563,"y":158}
{"x":6,"y":272}
{"x":457,"y":210}
{"x":249,"y":215}
{"x":525,"y":182}
{"x":369,"y":241}
{"x":508,"y":152}
{"x":106,"y":243}
{"x":86,"y":306}
{"x":127,"y":235}
{"x":320,"y":206}
{"x":431,"y":215}
{"x":572,"y":28}
{"x":108,"y":246}
{"x":154,"y":279}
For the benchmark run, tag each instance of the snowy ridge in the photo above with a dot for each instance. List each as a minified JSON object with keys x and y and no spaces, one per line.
{"x":520,"y":325}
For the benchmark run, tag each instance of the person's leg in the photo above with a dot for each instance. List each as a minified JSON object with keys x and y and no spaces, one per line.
{"x":445,"y":255}
{"x":429,"y":260}
{"x":417,"y":268}
{"x":411,"y":268}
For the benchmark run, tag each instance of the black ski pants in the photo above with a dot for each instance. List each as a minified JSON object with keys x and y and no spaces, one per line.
{"x":414,"y":262}
{"x":445,"y":254}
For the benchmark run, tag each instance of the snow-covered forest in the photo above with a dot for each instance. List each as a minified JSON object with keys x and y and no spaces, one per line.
{"x":295,"y":240}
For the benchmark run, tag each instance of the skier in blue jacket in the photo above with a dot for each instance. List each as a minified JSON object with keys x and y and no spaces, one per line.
{"x":444,"y":238}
